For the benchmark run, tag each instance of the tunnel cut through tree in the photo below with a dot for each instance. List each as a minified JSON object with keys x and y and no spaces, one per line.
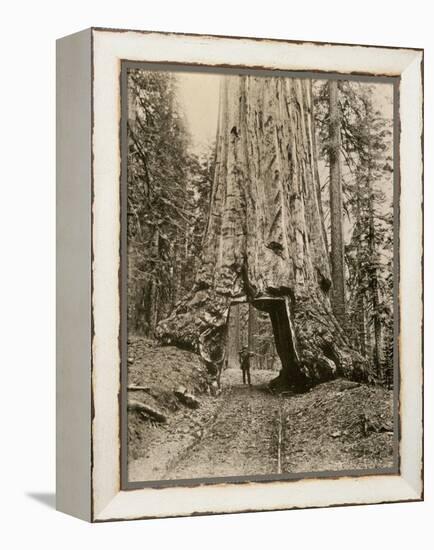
{"x":264,"y":241}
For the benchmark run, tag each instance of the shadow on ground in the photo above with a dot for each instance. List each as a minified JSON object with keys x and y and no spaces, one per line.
{"x":47,"y":499}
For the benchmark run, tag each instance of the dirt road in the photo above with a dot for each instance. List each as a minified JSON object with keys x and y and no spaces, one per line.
{"x":230,"y":435}
{"x":247,"y":431}
{"x":242,"y":440}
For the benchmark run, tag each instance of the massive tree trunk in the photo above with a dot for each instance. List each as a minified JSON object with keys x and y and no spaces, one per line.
{"x":234,"y":337}
{"x":264,"y":241}
{"x":336,"y":209}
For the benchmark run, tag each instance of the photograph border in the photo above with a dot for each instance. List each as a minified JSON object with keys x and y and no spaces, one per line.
{"x":123,"y":328}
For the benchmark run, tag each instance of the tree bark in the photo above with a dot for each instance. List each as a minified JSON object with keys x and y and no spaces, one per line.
{"x":336,"y":208}
{"x":360,"y":314}
{"x":154,"y":292}
{"x":234,"y":342}
{"x":361,"y":324}
{"x":264,"y":241}
{"x":378,"y":331}
{"x":252,"y":325}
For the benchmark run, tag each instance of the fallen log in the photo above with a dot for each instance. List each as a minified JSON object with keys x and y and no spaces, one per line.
{"x":139,"y":388}
{"x":187,"y":398}
{"x":140,"y":407}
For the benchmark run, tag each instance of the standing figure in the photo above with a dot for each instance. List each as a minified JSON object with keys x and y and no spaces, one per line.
{"x":245,"y":364}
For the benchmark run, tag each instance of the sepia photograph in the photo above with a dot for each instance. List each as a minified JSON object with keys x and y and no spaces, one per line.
{"x":259,"y":275}
{"x":217,"y":230}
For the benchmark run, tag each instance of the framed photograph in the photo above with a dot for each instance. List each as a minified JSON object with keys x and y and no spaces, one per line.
{"x":239,"y":267}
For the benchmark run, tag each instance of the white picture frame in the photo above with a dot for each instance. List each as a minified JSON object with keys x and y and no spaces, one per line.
{"x":88,"y":267}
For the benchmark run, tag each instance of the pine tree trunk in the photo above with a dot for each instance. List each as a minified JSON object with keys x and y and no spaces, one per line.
{"x":378,"y":333}
{"x":378,"y":340}
{"x":360,"y":313}
{"x":378,"y":336}
{"x":264,"y":241}
{"x":361,"y":324}
{"x":336,"y":209}
{"x":252,"y":333}
{"x":154,"y":294}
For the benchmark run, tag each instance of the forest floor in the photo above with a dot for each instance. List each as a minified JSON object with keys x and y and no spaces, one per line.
{"x":244,"y":431}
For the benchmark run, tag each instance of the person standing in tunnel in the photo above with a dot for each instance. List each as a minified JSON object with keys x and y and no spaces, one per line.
{"x":245,"y":356}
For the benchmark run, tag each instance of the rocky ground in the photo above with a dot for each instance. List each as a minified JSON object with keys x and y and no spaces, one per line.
{"x":244,"y":430}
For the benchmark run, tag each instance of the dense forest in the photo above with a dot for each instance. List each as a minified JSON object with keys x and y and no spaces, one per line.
{"x":170,"y":191}
{"x":168,"y":196}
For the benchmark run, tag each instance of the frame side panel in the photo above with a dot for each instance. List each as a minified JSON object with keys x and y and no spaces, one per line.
{"x":73,"y":275}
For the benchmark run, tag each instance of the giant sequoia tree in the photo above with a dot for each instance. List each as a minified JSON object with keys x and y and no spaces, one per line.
{"x":264,"y":242}
{"x":336,"y":206}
